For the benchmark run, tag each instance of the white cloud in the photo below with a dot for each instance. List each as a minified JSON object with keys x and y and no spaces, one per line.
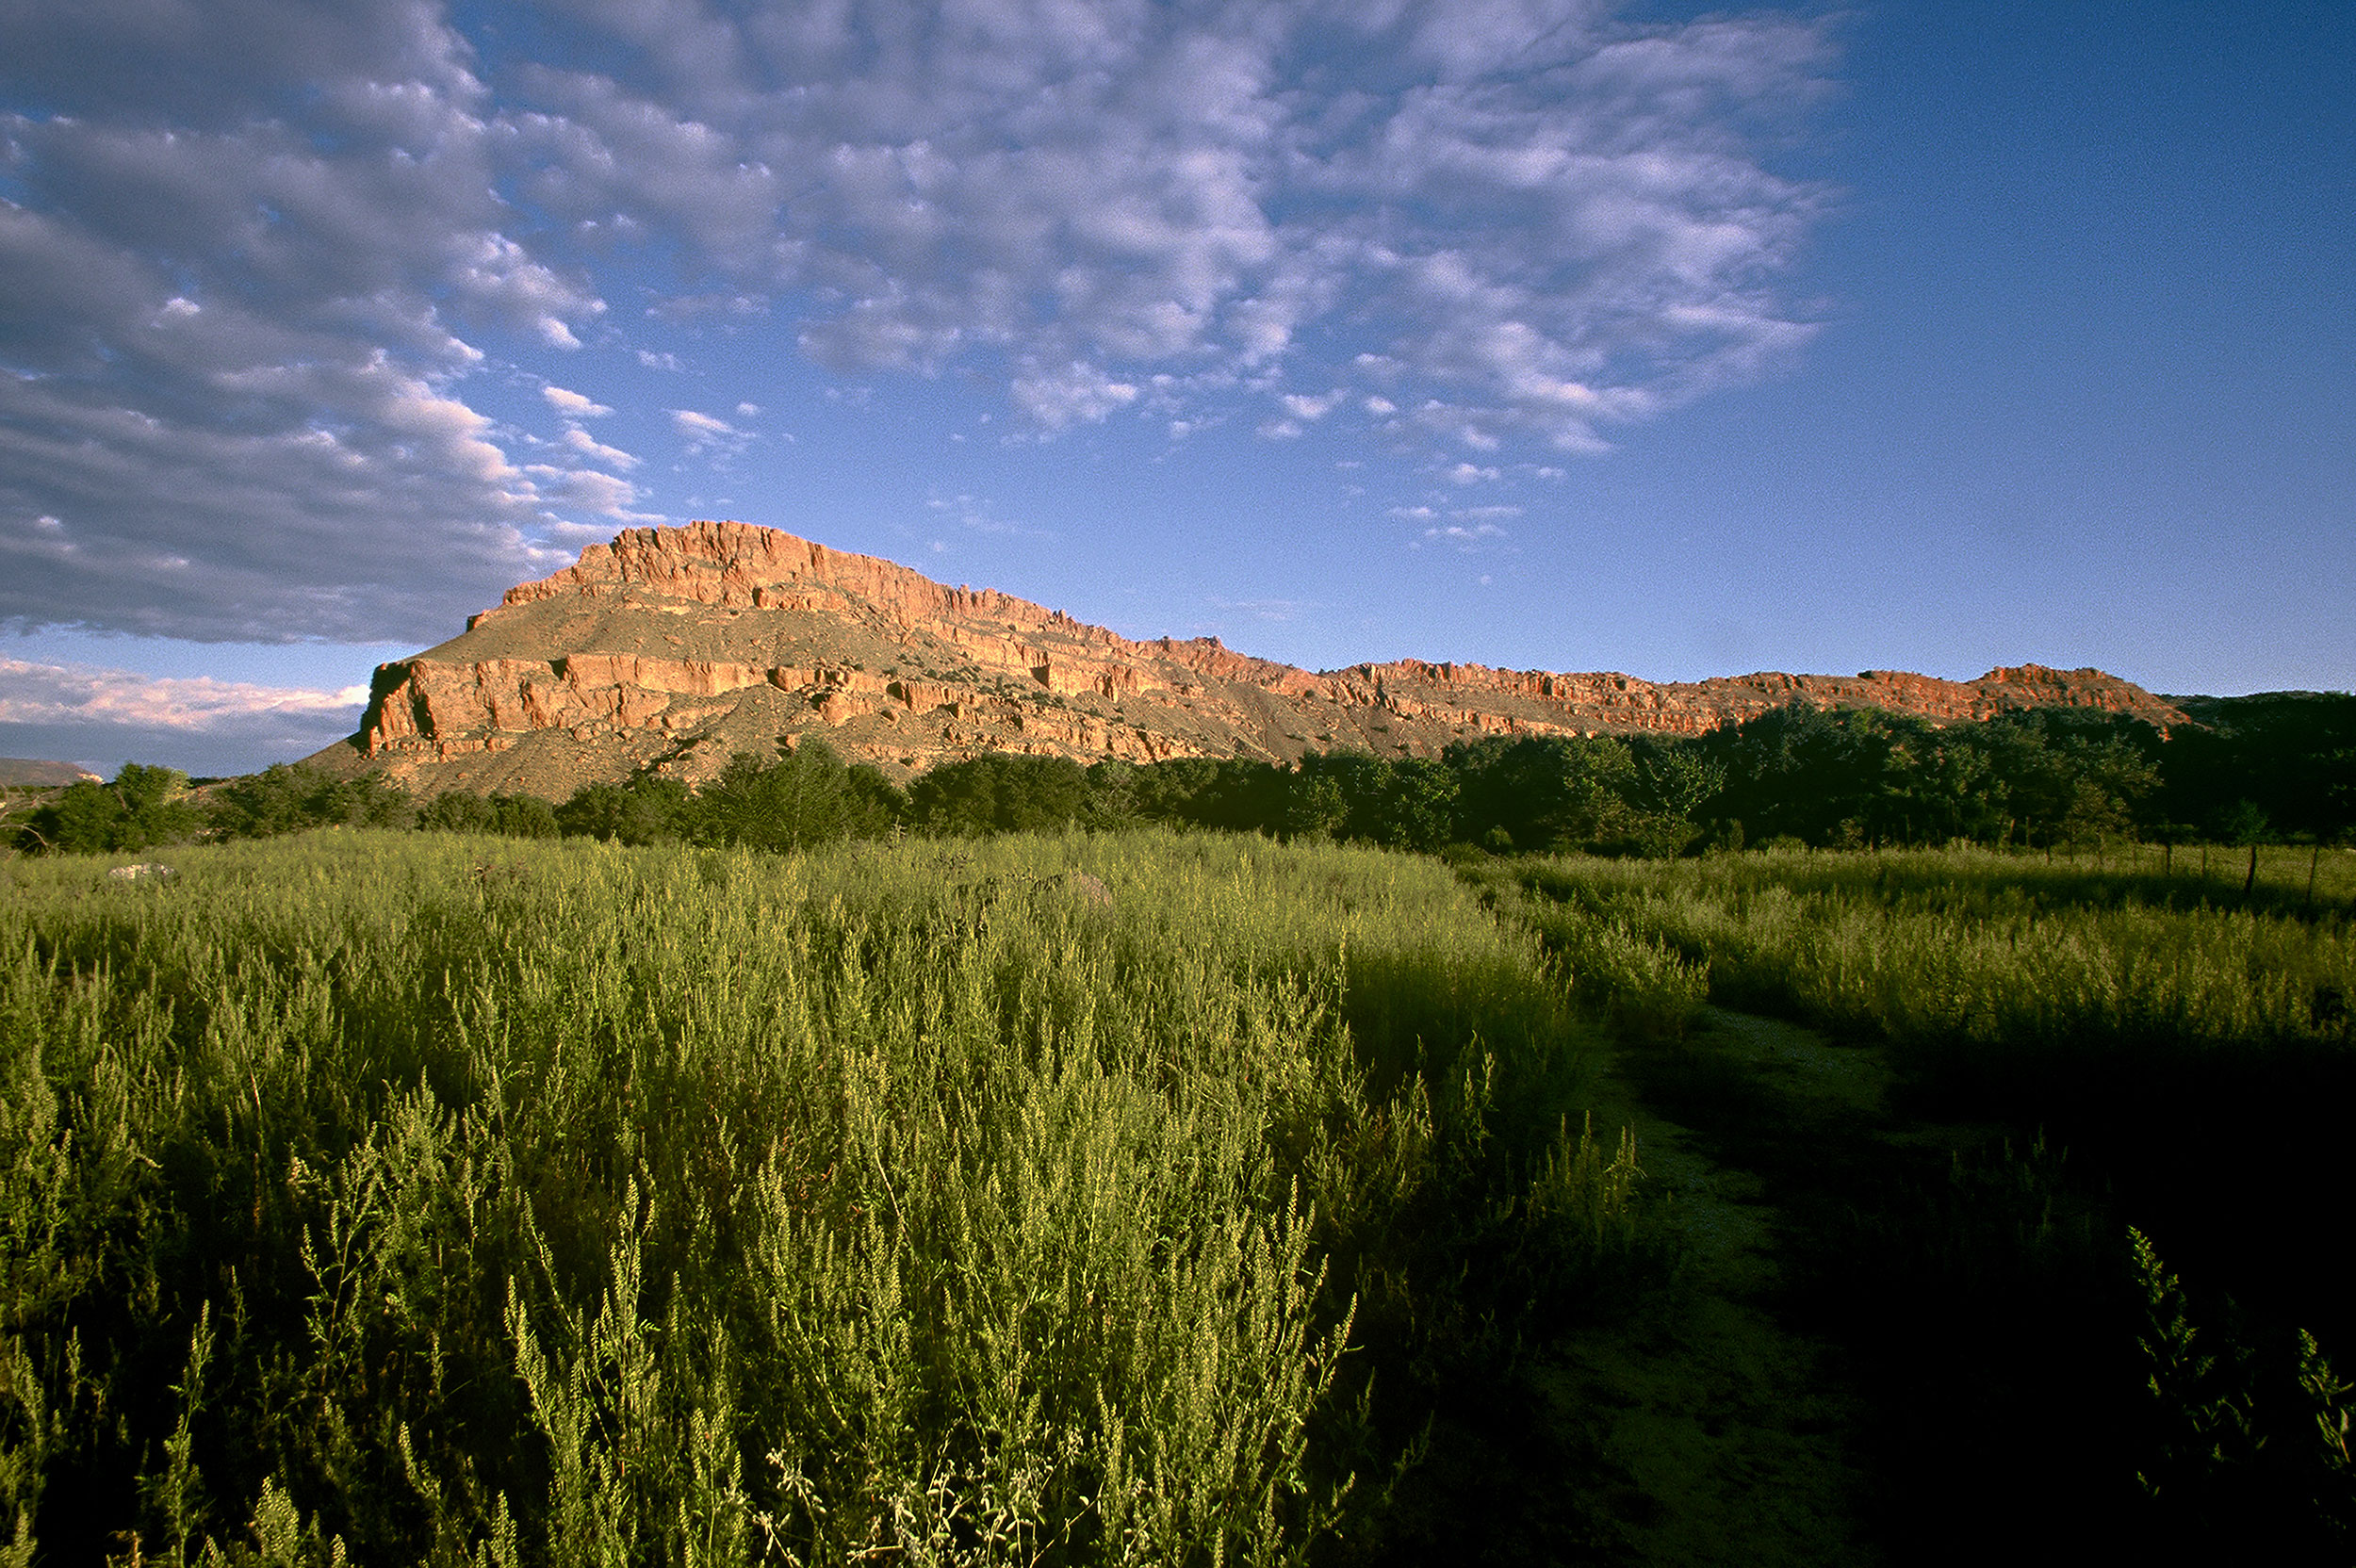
{"x":231,"y":475}
{"x":589,"y":447}
{"x":1270,"y":611}
{"x":249,"y":266}
{"x":574,"y":405}
{"x":1549,"y":218}
{"x":235,"y":326}
{"x":1464,"y":537}
{"x":75,"y":693}
{"x":1075,"y":392}
{"x":1469,"y":473}
{"x":975,"y":513}
{"x":600,"y":493}
{"x":707,"y":434}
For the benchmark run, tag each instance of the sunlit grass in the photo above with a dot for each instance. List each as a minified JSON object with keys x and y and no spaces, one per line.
{"x":432,"y":1198}
{"x":1977,"y":950}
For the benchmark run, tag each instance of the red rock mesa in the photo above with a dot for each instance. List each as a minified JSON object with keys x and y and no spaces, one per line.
{"x":674,"y":647}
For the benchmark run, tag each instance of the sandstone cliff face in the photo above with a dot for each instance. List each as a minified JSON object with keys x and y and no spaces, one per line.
{"x":674,"y":647}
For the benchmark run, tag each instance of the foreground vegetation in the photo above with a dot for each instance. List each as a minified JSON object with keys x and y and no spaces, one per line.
{"x":399,"y":1198}
{"x":1992,"y":964}
{"x":2093,"y":1256}
{"x":801,"y":1170}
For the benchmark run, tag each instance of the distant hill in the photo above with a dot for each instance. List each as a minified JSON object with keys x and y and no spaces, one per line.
{"x":17,"y":772}
{"x":675,"y":648}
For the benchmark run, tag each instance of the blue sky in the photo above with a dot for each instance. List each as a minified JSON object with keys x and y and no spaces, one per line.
{"x":1533,"y":333}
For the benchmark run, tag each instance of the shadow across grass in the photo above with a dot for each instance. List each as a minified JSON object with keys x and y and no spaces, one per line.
{"x":1973,"y":1280}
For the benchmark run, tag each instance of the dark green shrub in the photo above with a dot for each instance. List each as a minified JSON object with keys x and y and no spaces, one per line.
{"x":1000,"y":793}
{"x":289,"y":798}
{"x":139,"y":807}
{"x":647,"y":810}
{"x":512,"y":816}
{"x":802,"y":798}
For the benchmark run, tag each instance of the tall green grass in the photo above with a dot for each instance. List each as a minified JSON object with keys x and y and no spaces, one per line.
{"x":383,"y":1197}
{"x":1990,"y":954}
{"x":2188,"y":1046}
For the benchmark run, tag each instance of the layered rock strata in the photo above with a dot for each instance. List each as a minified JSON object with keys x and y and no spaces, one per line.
{"x":676,"y":646}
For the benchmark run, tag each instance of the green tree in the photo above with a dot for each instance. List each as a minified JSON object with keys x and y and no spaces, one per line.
{"x":1315,"y":806}
{"x":1547,"y":792}
{"x":455,"y":811}
{"x":523,"y":817}
{"x":1340,"y":794}
{"x":139,"y":807}
{"x":801,"y":798}
{"x":514,"y":816}
{"x":1818,"y":774}
{"x":647,"y":810}
{"x":877,"y":808}
{"x":1000,"y":793}
{"x":2290,"y":754}
{"x":2064,"y":777}
{"x":289,"y":798}
{"x":2242,"y":823}
{"x":1676,"y":781}
{"x":1942,"y":785}
{"x":1419,"y":807}
{"x":1240,"y":795}
{"x":1113,"y":794}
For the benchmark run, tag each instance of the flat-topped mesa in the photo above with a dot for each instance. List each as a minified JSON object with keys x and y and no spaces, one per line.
{"x":672,"y":647}
{"x":734,"y":565}
{"x":1612,"y":700}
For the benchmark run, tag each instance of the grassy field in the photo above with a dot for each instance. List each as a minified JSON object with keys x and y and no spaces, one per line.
{"x":421,"y":1198}
{"x":1149,"y":1198}
{"x":2100,"y":1226}
{"x":1979,"y":957}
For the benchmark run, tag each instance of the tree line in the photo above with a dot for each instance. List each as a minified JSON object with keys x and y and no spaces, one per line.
{"x":2271,"y":768}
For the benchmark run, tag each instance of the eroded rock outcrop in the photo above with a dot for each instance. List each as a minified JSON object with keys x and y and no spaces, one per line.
{"x":675,"y":646}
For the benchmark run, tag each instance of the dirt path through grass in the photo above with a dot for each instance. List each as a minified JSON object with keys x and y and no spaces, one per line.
{"x":1895,"y":1340}
{"x":1736,"y":1435}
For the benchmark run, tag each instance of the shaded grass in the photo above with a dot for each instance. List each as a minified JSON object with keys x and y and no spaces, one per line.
{"x":2083,"y":1050}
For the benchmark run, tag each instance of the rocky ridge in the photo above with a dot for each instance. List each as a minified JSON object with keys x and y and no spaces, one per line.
{"x":674,"y":647}
{"x":25,"y":772}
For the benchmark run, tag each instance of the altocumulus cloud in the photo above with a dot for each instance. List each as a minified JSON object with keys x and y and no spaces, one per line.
{"x":66,"y":694}
{"x":707,"y":434}
{"x":251,"y":253}
{"x":101,"y":716}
